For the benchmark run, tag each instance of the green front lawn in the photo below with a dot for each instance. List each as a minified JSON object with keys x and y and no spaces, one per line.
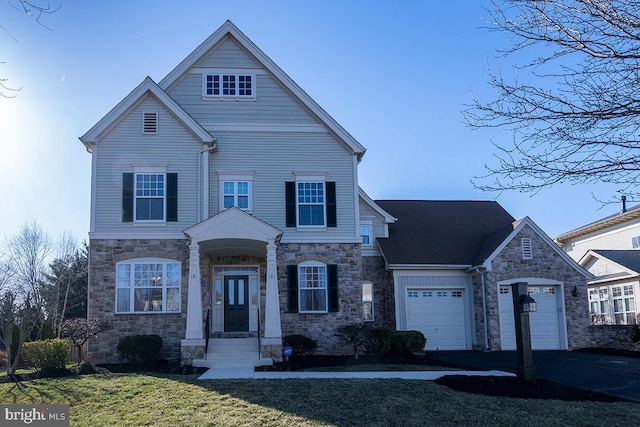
{"x":172,"y":400}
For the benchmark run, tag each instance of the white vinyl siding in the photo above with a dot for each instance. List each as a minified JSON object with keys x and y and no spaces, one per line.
{"x":273,"y":105}
{"x":124,"y":148}
{"x":615,"y":237}
{"x":278,"y":155}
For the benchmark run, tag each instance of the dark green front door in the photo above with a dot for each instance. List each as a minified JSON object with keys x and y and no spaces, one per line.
{"x":236,"y":303}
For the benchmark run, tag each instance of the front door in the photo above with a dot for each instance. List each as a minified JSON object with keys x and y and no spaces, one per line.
{"x":236,"y":303}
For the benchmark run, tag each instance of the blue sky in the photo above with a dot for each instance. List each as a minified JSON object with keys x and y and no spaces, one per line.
{"x":397,"y":78}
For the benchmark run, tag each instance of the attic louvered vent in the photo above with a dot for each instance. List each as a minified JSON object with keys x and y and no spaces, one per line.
{"x":149,"y":122}
{"x":527,"y":251}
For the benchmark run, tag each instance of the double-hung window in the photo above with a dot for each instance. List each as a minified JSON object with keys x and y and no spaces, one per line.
{"x":365,"y":234}
{"x":229,"y":85}
{"x":149,"y":196}
{"x":144,"y":286}
{"x":312,"y":287}
{"x":311,"y":203}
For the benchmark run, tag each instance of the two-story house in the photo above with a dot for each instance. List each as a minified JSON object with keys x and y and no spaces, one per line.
{"x":610,"y":249}
{"x":226,"y":213}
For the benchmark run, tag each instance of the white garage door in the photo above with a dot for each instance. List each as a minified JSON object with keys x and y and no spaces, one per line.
{"x":439,"y":315}
{"x":545,"y":326}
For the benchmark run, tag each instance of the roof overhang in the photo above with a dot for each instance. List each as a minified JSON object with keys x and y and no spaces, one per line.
{"x":610,"y":221}
{"x":428,"y":266}
{"x":147,"y":87}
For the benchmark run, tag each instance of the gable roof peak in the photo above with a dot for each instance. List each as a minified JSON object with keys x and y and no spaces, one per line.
{"x":229,"y":28}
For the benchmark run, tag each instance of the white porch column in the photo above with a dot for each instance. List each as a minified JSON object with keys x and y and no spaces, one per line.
{"x":272,"y":328}
{"x":194,"y":295}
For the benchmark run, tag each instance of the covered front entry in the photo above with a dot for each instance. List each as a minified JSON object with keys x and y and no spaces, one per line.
{"x":236,"y":305}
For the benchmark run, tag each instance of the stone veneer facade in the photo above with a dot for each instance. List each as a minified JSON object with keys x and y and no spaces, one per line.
{"x":546,"y":264}
{"x":352,"y":269}
{"x":103,"y":256}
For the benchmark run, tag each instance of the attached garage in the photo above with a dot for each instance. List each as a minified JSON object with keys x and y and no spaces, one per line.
{"x":440,"y":315}
{"x":547,"y":323}
{"x":438,"y":304}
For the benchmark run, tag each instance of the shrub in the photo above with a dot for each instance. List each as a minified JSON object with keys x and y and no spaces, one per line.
{"x":377,"y":341}
{"x":300,"y":344}
{"x":140,"y":349}
{"x":407,"y":342}
{"x":46,"y":355}
{"x":635,"y":334}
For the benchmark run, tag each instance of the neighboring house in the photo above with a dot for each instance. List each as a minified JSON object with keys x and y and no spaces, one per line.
{"x":608,"y":249}
{"x":226,"y":214}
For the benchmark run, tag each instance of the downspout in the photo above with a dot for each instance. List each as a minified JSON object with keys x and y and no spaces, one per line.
{"x":199,"y":192}
{"x":481,"y":271}
{"x":484,"y":312}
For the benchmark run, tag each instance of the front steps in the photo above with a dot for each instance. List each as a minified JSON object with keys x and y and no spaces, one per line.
{"x":241,"y":352}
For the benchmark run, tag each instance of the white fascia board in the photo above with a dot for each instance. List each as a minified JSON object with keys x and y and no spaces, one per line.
{"x":131,"y":101}
{"x":384,"y":215}
{"x":613,"y":280}
{"x":520,"y":225}
{"x":228,"y":28}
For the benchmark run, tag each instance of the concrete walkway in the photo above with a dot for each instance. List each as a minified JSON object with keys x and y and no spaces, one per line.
{"x":250,"y":373}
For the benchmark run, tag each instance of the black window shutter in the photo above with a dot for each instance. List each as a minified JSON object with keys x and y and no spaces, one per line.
{"x":332,"y":273}
{"x":332,"y":215}
{"x":290,"y":204}
{"x":127,"y":197}
{"x":172,"y":197}
{"x":292,"y":289}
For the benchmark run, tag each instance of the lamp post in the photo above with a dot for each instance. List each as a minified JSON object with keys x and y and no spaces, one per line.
{"x":523,"y":304}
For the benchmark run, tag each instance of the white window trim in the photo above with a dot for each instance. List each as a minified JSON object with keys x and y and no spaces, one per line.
{"x":144,"y":129}
{"x":326,"y":286}
{"x":311,"y":177}
{"x":235,"y":177}
{"x":367,"y":223}
{"x":368,"y":283}
{"x":222,"y":97}
{"x":132,"y":263}
{"x":143,"y":170}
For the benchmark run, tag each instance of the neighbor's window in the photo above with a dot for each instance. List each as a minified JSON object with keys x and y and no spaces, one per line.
{"x":367,"y":301}
{"x":635,"y":242}
{"x":229,"y":85}
{"x":150,"y":196}
{"x":311,"y":203}
{"x":312,"y":287}
{"x":144,"y":286}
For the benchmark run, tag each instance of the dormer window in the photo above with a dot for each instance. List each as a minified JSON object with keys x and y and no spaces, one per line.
{"x":229,"y":86}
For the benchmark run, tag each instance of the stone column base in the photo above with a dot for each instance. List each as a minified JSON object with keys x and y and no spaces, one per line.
{"x":271,"y":351}
{"x":190,"y":350}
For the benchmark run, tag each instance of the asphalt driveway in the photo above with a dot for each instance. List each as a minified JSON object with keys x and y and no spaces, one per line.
{"x":613,"y":375}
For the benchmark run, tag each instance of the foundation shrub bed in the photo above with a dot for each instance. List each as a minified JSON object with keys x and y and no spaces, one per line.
{"x":407,"y":342}
{"x":140,"y":349}
{"x":300,"y":344}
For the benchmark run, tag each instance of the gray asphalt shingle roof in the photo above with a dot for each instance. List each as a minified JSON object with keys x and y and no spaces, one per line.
{"x":444,"y":232}
{"x":626,"y":258}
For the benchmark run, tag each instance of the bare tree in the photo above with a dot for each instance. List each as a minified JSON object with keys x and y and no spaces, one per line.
{"x":28,"y":252}
{"x":573,"y":107}
{"x":34,"y":11}
{"x":17,"y":317}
